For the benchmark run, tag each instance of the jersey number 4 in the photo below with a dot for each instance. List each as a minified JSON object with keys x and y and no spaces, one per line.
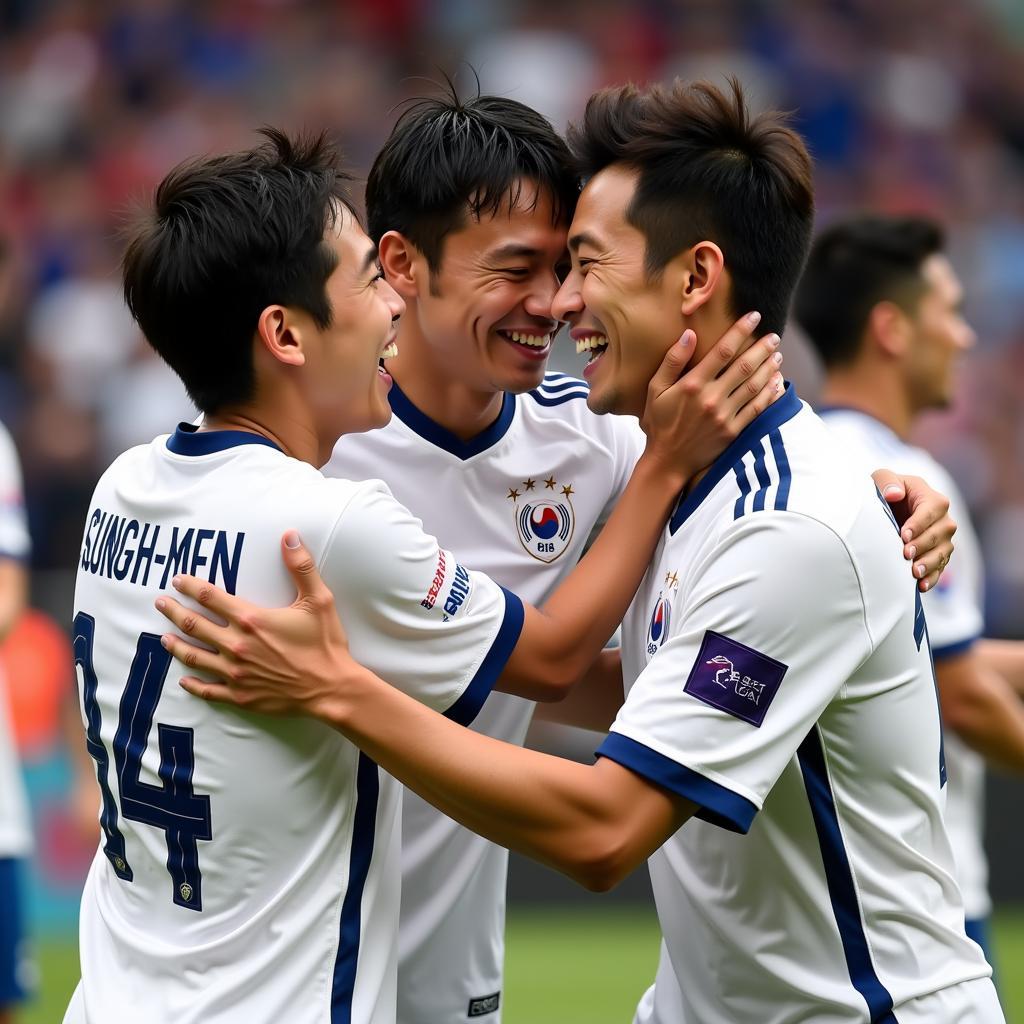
{"x":173,"y":806}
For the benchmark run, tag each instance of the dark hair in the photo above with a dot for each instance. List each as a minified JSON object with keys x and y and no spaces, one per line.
{"x":708,"y":169}
{"x":228,"y":236}
{"x":447,"y":159}
{"x":854,"y":265}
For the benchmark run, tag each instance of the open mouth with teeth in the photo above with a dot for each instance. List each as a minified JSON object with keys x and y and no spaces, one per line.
{"x":389,"y":353}
{"x":528,"y":340}
{"x":593,"y":345}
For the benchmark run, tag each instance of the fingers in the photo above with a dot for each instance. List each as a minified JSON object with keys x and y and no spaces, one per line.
{"x":313,"y":593}
{"x":931,"y":552}
{"x":190,"y":622}
{"x":927,"y":507}
{"x":218,"y":601}
{"x":770,"y":392}
{"x":672,"y":365}
{"x":890,"y":485}
{"x":208,"y":691}
{"x":197,"y":658}
{"x":735,"y":340}
{"x":751,"y":370}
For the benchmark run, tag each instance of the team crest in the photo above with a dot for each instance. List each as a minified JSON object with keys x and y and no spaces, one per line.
{"x":657,"y":629}
{"x":544,"y":521}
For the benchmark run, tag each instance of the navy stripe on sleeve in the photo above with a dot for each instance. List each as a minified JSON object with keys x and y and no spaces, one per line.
{"x":717,"y":804}
{"x":468,"y":706}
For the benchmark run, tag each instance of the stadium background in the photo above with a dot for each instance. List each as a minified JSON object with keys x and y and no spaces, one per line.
{"x":906,"y":104}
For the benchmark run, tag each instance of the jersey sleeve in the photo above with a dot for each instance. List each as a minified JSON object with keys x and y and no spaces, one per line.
{"x":771,"y":628}
{"x":413,"y":613}
{"x":14,"y":536}
{"x":627,"y":445}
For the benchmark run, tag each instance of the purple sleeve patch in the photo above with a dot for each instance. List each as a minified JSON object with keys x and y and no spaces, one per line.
{"x":734,"y":678}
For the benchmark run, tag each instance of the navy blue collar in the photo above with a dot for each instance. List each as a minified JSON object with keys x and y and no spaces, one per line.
{"x":771,"y":419}
{"x":188,"y":439}
{"x":420,"y":423}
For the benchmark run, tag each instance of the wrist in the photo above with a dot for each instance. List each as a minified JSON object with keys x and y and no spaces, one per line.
{"x":666,"y":476}
{"x":334,"y":704}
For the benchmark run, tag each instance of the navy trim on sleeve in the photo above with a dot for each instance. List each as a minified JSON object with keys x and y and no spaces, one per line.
{"x":468,"y":706}
{"x":953,"y":650}
{"x":717,"y":804}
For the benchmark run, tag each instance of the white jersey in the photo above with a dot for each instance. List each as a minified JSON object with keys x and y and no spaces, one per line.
{"x":954,"y":613}
{"x":15,"y":827}
{"x":779,"y":676}
{"x":249,"y":871}
{"x":520,"y":501}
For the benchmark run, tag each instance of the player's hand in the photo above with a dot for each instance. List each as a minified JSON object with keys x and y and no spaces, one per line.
{"x":279,"y":661}
{"x":691,"y":418}
{"x":926,"y":526}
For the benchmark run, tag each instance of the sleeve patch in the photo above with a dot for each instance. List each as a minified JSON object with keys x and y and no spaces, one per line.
{"x":735,"y":678}
{"x":450,"y":587}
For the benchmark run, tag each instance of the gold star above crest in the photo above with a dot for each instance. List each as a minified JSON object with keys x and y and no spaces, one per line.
{"x":671,"y":579}
{"x":528,"y":484}
{"x":513,"y":493}
{"x":567,"y":490}
{"x":550,"y":483}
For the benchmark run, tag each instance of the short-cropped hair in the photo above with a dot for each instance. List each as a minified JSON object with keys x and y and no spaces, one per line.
{"x":226,"y":237}
{"x":708,"y":169}
{"x":855,"y":264}
{"x":448,"y":159}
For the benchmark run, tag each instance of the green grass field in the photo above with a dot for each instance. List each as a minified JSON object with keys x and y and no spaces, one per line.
{"x":563,"y":968}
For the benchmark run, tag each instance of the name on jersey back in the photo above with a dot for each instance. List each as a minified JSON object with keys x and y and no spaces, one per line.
{"x":126,"y":549}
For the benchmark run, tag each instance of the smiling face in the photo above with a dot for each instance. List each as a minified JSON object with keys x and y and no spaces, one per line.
{"x":345,"y":384}
{"x":941,"y":335}
{"x":624,"y":320}
{"x":486,"y":312}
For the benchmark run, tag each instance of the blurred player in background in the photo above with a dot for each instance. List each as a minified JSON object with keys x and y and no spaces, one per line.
{"x":469,"y":202}
{"x":249,"y":869}
{"x":882,"y":306}
{"x":15,"y":827}
{"x":780,"y":680}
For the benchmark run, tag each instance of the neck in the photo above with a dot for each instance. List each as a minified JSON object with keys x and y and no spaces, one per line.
{"x":872,"y":390}
{"x":429,"y":384}
{"x":290,"y":434}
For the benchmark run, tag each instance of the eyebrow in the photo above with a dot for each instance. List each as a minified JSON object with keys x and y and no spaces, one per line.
{"x":512,"y":251}
{"x":583,"y":238}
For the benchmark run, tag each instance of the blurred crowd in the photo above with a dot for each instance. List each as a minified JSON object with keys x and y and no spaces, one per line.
{"x":906,"y":104}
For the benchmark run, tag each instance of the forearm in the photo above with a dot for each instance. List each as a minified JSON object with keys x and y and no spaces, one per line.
{"x":552,"y":810}
{"x":983,"y":710}
{"x":594,"y":701}
{"x":561,"y":640}
{"x":1005,"y":657}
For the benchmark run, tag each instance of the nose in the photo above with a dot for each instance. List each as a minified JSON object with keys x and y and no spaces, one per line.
{"x":568,"y":300}
{"x":394,"y":301}
{"x":542,"y":293}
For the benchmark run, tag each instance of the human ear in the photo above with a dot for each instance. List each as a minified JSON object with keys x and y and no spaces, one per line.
{"x":281,"y":336}
{"x":403,"y":264}
{"x":702,"y":268}
{"x":890,"y":328}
